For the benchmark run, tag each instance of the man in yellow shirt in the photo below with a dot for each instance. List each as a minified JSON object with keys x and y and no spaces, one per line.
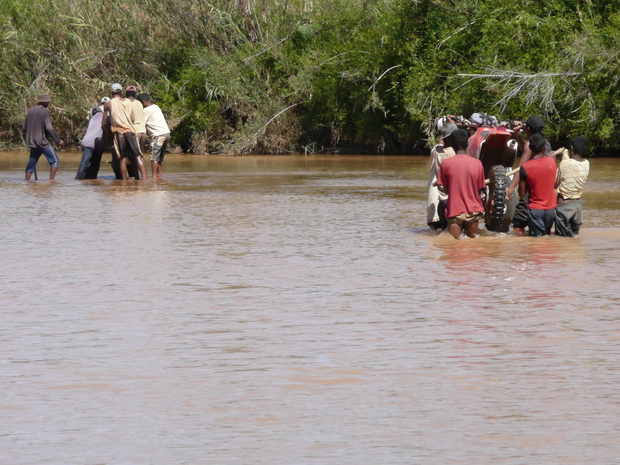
{"x":570,"y":179}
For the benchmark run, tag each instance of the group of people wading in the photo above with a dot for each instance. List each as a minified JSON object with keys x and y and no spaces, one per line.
{"x":549,"y":189}
{"x":122,"y":122}
{"x":550,"y":192}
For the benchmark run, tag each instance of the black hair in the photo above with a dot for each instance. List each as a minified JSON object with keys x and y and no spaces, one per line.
{"x":143,"y":97}
{"x":459,"y":139}
{"x":579,"y":145}
{"x":130,"y":93}
{"x":537,"y":143}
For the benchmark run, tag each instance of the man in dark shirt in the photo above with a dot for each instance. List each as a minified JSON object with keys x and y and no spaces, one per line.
{"x":37,"y":128}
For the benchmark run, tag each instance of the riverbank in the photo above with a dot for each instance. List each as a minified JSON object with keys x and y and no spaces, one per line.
{"x":276,"y":76}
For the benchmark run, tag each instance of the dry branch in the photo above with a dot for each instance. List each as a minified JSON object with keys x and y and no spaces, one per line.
{"x":539,"y":86}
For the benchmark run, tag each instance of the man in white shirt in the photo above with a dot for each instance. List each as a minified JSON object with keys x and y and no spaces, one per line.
{"x":435,"y":216}
{"x":158,"y":129}
{"x":92,"y":147}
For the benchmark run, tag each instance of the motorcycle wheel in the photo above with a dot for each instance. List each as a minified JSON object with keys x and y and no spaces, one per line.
{"x":496,"y":202}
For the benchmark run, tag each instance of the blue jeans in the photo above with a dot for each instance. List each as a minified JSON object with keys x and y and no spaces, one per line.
{"x":35,"y":154}
{"x":568,"y":218}
{"x":540,"y":222}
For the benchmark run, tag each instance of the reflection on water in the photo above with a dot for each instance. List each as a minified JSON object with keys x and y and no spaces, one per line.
{"x":296,"y":310}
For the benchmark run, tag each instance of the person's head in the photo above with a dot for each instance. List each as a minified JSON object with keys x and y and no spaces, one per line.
{"x":579,"y":145}
{"x":537,"y":143}
{"x":445,"y":132}
{"x":44,"y":100}
{"x":94,"y":111}
{"x":459,"y":140}
{"x":116,"y":89}
{"x":534,"y":125}
{"x":144,"y":99}
{"x":131,"y":91}
{"x":104,"y":100}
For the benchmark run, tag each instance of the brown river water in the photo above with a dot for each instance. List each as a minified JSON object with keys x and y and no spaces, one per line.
{"x":296,"y":310}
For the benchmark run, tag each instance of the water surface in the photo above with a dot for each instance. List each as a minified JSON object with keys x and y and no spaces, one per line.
{"x":296,"y":310}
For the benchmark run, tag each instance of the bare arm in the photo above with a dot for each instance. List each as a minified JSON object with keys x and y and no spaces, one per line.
{"x":107,"y":108}
{"x":525,"y":156}
{"x":558,"y":177}
{"x":522,"y":188}
{"x":440,"y":182}
{"x":519,"y":135}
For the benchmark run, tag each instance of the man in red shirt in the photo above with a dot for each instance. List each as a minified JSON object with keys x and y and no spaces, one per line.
{"x":537,"y":177}
{"x":462,"y":178}
{"x":533,"y":125}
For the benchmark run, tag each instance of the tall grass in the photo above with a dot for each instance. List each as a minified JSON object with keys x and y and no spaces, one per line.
{"x":248,"y":76}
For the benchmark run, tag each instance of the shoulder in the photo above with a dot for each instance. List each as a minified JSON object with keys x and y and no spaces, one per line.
{"x":438,"y":149}
{"x":450,"y":161}
{"x":474,"y":163}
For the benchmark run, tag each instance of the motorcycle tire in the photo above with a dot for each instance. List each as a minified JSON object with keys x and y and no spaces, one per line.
{"x":497,"y":197}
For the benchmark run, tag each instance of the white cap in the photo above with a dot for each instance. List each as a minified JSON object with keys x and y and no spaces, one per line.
{"x":105,"y":99}
{"x":116,"y":87}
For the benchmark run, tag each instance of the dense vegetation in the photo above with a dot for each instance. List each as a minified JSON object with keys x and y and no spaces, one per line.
{"x":256,"y":76}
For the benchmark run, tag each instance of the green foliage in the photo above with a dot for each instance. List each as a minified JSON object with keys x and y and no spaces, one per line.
{"x":292,"y":75}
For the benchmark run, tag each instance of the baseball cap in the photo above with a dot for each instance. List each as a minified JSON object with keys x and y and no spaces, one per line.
{"x":535,"y":123}
{"x":131,"y":89}
{"x":105,"y":99}
{"x":116,"y":87}
{"x":44,"y":98}
{"x":446,"y":130}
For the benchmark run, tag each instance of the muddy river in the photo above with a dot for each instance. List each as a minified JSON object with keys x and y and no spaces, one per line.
{"x":296,"y":310}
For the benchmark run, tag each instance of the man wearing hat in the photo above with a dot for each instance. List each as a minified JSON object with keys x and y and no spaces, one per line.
{"x":435,"y":216}
{"x":123,"y":131}
{"x":533,"y":125}
{"x":159,"y":131}
{"x":37,"y":128}
{"x":92,"y":147}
